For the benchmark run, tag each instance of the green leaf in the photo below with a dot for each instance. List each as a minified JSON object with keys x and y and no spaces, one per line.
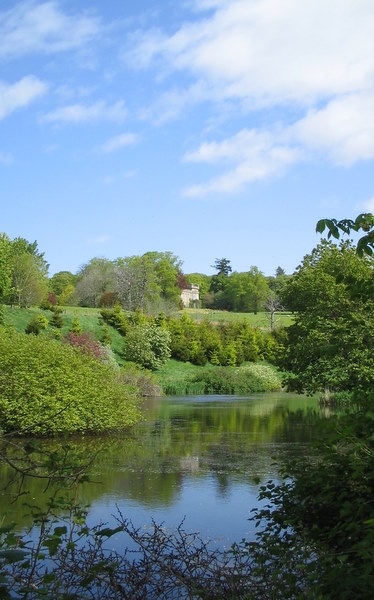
{"x":321,"y":226}
{"x":13,"y":556}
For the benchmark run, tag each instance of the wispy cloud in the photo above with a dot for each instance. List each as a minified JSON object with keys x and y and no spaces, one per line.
{"x":118,"y":142}
{"x":100,"y":239}
{"x":267,"y":51}
{"x":254,"y":156}
{"x":85,"y":113}
{"x":313,"y":58}
{"x":20,"y":94}
{"x":31,"y":27}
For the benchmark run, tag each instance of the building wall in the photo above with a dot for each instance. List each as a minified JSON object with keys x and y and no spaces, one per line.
{"x":191,"y":295}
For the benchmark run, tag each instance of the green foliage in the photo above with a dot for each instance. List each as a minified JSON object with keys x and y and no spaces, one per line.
{"x":330,"y":345}
{"x":228,"y":344}
{"x":56,"y":320}
{"x":75,"y":326}
{"x":36,"y":324}
{"x":49,"y":388}
{"x":184,"y":378}
{"x":147,"y":346}
{"x":117,"y":318}
{"x":105,"y":339}
{"x":364,"y":222}
{"x":245,"y":380}
{"x":324,"y":512}
{"x":5,"y":265}
{"x":2,"y":315}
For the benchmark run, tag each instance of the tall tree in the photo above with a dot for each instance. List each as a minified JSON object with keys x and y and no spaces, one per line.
{"x":331,"y":343}
{"x":95,"y":278}
{"x":222,"y":266}
{"x":29,"y":284}
{"x":5,"y":266}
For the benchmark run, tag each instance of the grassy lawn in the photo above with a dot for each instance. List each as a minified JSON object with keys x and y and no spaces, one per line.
{"x":261,"y":319}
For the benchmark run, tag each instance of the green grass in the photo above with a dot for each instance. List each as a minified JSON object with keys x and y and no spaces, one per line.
{"x":261,"y":319}
{"x":19,"y":318}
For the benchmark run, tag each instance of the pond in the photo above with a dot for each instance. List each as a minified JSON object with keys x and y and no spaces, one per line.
{"x":197,"y":458}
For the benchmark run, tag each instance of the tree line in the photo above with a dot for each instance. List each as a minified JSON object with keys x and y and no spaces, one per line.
{"x":151,"y":282}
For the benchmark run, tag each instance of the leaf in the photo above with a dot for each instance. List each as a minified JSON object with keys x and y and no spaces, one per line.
{"x":108,"y":532}
{"x":321,"y":226}
{"x":60,"y":530}
{"x":13,"y":556}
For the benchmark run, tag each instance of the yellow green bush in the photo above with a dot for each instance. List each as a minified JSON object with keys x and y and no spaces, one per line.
{"x":49,"y":388}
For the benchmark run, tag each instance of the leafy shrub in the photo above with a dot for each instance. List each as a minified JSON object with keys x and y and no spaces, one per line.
{"x":50,"y":388}
{"x":147,"y":346}
{"x":105,"y":339}
{"x":75,"y":327}
{"x":116,"y":318}
{"x":85,"y":343}
{"x":228,"y":344}
{"x":56,"y":320}
{"x":37,"y":324}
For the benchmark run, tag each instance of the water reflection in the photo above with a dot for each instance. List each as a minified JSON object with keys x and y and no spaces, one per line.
{"x":201,"y":458}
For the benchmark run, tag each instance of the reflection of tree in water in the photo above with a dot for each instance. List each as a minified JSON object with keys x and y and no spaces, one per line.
{"x":235,"y":441}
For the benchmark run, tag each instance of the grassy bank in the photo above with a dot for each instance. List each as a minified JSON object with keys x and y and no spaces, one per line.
{"x":179,"y":378}
{"x":89,"y":319}
{"x":176,"y":377}
{"x":261,"y":319}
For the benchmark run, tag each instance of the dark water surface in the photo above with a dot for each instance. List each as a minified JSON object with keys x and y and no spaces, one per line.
{"x":197,"y":458}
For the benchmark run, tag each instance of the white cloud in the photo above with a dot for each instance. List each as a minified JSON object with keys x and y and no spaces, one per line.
{"x":269,"y":51}
{"x":308,"y":65}
{"x":118,"y":142}
{"x":344,"y":129}
{"x":20,"y":94}
{"x":255,"y":156}
{"x":31,"y":27}
{"x":84,"y":113}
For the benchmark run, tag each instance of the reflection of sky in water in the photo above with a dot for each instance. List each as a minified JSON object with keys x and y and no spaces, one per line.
{"x":221,"y":518}
{"x":197,"y":459}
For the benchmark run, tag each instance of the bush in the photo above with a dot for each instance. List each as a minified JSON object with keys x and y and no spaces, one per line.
{"x":37,"y":324}
{"x":50,"y":388}
{"x":116,"y":318}
{"x":56,"y":320}
{"x":84,"y":343}
{"x":147,"y":346}
{"x":75,"y":327}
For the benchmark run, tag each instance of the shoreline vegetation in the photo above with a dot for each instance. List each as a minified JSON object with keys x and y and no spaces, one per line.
{"x":73,"y":361}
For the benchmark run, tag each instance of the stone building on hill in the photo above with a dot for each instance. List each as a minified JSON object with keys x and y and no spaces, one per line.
{"x":191,"y":296}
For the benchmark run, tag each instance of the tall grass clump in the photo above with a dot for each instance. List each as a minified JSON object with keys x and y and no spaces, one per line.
{"x":245,"y":380}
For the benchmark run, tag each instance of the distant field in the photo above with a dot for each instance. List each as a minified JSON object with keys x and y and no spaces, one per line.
{"x":262,"y":319}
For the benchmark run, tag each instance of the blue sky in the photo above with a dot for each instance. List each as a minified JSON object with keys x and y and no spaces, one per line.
{"x":210,"y":128}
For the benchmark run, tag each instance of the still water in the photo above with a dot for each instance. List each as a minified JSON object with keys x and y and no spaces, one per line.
{"x":197,"y":458}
